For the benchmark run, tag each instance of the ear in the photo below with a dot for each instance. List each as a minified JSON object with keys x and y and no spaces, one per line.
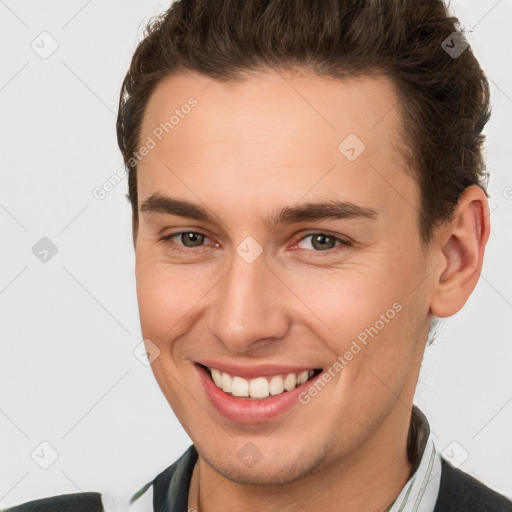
{"x":460,"y":250}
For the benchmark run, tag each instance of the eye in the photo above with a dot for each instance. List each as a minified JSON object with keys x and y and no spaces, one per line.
{"x":185,"y":241}
{"x":322,"y":242}
{"x":319,"y":242}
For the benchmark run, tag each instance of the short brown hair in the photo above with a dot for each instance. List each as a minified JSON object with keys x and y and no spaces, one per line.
{"x":443,"y":99}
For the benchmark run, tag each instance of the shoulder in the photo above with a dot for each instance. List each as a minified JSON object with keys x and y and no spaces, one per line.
{"x":153,"y":495}
{"x":78,"y":502}
{"x":460,"y":492}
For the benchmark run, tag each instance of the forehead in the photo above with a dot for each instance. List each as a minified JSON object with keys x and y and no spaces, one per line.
{"x":271,"y":103}
{"x":281,"y":135}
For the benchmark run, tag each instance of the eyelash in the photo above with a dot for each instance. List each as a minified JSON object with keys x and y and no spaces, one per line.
{"x":328,"y":252}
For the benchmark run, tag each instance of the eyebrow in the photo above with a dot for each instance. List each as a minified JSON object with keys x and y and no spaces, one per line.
{"x":161,"y":204}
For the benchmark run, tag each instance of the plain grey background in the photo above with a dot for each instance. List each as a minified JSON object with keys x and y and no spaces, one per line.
{"x":68,"y":376}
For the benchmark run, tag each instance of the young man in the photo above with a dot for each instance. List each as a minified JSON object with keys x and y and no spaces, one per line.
{"x":307,"y":189}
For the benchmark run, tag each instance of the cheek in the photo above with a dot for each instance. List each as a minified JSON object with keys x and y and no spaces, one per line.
{"x":383,"y":336}
{"x":349,"y":300}
{"x":169,"y":298}
{"x":162,"y":301}
{"x":158,"y":305}
{"x":371,"y":315}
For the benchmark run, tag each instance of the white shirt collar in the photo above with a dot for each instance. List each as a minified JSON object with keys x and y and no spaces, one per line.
{"x":423,"y":486}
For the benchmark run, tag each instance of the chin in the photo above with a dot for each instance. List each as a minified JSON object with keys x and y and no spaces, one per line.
{"x":282,"y":468}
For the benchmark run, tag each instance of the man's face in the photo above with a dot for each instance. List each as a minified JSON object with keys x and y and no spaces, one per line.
{"x":240,"y":293}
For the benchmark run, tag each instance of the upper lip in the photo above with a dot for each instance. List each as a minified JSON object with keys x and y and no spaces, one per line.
{"x":253,"y":371}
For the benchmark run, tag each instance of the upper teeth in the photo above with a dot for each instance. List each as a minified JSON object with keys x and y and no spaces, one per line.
{"x":259,"y":387}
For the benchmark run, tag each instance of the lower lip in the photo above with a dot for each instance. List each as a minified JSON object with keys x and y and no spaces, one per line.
{"x":243,"y":410}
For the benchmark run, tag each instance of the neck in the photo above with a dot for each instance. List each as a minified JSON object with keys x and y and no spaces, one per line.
{"x":369,"y":478}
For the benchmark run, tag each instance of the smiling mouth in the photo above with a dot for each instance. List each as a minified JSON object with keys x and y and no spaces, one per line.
{"x":259,"y":387}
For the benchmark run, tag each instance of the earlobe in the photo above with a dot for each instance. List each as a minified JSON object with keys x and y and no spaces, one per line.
{"x":461,"y":250}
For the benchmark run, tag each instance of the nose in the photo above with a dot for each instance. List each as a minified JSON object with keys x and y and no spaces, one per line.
{"x":249,"y":307}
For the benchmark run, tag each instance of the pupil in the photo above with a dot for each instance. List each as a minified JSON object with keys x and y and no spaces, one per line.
{"x":192,"y":239}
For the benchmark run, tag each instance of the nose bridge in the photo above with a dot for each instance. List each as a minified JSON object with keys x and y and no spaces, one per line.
{"x":244,"y":311}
